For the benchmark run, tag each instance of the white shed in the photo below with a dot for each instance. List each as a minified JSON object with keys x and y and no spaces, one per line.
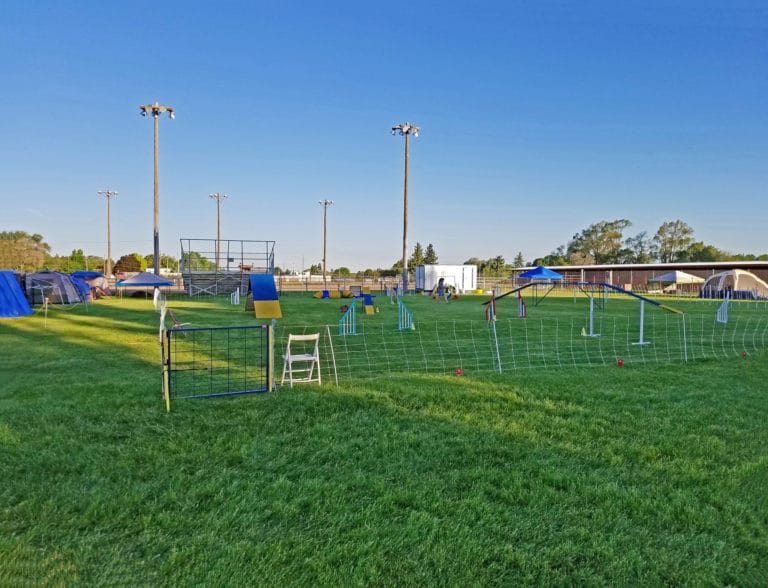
{"x":461,"y":277}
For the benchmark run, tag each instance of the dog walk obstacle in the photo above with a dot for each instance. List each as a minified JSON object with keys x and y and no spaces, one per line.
{"x":591,"y":332}
{"x":262,"y":297}
{"x":642,"y":299}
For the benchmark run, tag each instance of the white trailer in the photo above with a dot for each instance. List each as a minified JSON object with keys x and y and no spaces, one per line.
{"x":461,"y":277}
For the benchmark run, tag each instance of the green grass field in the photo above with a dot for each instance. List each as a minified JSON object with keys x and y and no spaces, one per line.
{"x":569,"y":472}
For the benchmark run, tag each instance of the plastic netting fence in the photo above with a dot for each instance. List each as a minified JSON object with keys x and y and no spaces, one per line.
{"x":514,"y":344}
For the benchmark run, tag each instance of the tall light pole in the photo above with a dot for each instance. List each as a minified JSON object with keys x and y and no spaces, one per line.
{"x":325,"y":203}
{"x":218,"y":197}
{"x":407,"y":129}
{"x":108,"y":194}
{"x":156,"y":110}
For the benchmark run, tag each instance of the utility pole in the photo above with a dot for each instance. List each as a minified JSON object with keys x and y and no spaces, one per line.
{"x":156,"y":110}
{"x":218,"y":197}
{"x":325,"y":203}
{"x":108,"y":194}
{"x":406,"y":130}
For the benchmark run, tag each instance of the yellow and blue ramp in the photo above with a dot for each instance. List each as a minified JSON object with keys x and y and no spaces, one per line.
{"x":263,"y":293}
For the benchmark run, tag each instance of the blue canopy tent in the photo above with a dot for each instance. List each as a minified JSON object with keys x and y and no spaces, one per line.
{"x":541,"y":275}
{"x":144,"y":280}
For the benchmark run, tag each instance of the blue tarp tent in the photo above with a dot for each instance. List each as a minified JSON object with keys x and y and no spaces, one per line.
{"x":541,"y":273}
{"x":82,"y":288}
{"x":13,"y":303}
{"x":97,"y":282}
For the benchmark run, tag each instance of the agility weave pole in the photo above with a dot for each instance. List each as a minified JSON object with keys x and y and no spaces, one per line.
{"x":348,"y":321}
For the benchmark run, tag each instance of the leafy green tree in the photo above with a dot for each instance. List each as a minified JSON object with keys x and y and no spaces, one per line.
{"x":315,"y":269}
{"x":638,"y":249}
{"x":172,"y":263}
{"x":417,"y":258}
{"x":672,"y":238}
{"x":77,"y":261}
{"x":192,"y":262}
{"x":519,"y":261}
{"x":557,"y":257}
{"x":496,"y":267}
{"x":21,"y":251}
{"x":476,"y":261}
{"x":133,"y":262}
{"x":698,"y":251}
{"x":600,"y":242}
{"x":342,"y":271}
{"x":430,"y":256}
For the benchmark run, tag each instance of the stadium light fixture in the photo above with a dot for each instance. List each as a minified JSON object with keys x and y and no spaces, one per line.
{"x":405,"y":130}
{"x":156,"y":110}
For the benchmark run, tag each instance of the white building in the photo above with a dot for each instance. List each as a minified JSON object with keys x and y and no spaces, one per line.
{"x":462,"y":277}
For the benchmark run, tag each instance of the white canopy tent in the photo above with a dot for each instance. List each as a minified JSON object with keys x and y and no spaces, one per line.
{"x":678,"y":281}
{"x":678,"y":277}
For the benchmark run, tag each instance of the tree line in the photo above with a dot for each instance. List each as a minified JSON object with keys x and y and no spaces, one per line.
{"x":603,"y":242}
{"x":29,"y":253}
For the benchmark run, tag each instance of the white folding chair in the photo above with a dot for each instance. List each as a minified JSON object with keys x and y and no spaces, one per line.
{"x":303,"y":351}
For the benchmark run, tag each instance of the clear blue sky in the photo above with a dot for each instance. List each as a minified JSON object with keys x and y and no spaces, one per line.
{"x":538,"y":117}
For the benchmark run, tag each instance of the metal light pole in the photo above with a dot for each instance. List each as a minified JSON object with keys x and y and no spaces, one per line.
{"x":325,"y":204}
{"x":218,"y":197}
{"x":108,"y":194}
{"x":156,"y":110}
{"x":407,"y":129}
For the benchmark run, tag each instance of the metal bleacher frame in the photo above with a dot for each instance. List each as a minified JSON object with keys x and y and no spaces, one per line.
{"x":206,"y":273}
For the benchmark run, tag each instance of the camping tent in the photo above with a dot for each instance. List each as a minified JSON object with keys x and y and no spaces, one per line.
{"x":13,"y":303}
{"x":57,"y":287}
{"x":740,"y":284}
{"x":541,"y":273}
{"x":95,"y":280}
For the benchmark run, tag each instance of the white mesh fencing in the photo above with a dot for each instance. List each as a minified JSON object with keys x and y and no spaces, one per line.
{"x":532,"y":343}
